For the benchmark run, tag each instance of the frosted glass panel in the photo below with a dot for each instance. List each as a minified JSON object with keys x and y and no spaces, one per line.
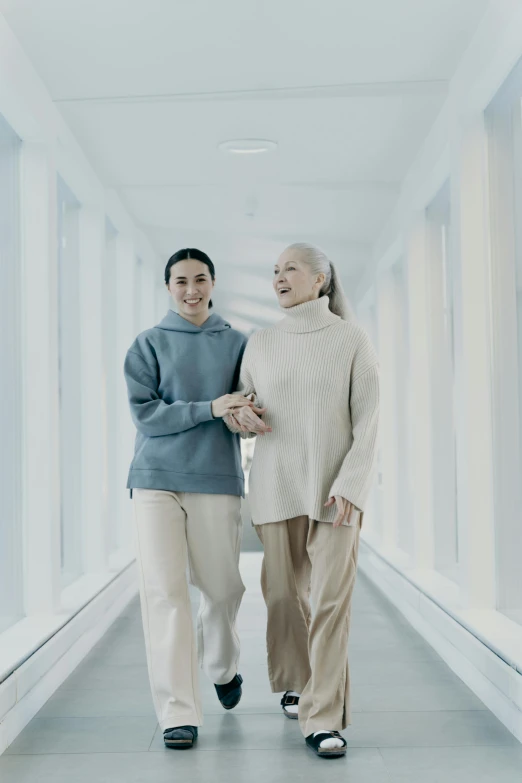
{"x":70,"y":388}
{"x":11,"y":597}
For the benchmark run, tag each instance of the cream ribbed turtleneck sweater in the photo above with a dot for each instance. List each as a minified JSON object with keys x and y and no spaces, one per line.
{"x":317,"y":376}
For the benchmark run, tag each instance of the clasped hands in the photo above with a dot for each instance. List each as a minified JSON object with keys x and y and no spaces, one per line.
{"x":247,"y":418}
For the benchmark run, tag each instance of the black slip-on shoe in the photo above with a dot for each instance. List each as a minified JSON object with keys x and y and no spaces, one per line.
{"x":314,"y":743}
{"x":230,"y":694}
{"x":288,"y":701}
{"x":180,"y":737}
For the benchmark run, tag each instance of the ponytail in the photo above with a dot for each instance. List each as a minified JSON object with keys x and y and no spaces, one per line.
{"x":335,"y":292}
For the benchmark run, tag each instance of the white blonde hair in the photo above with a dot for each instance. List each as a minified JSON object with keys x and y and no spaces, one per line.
{"x":319,"y":262}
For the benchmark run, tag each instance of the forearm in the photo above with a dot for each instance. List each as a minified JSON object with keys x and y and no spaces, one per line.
{"x":156,"y":418}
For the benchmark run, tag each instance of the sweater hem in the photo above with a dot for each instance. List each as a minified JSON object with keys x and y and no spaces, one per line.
{"x":292,"y":515}
{"x":286,"y":519}
{"x":186,"y":482}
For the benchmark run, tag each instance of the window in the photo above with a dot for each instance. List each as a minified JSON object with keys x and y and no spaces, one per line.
{"x":403,"y":416}
{"x":375,"y":513}
{"x":111,"y":369}
{"x":504,"y":123}
{"x":161,"y":301}
{"x":442,"y":349}
{"x":138,"y":296}
{"x":11,"y":591}
{"x":70,"y":387}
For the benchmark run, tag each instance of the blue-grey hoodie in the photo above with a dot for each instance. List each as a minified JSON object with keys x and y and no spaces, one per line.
{"x":173,"y":373}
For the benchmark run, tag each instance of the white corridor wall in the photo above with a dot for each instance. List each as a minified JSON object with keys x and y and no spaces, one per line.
{"x":457,"y":234}
{"x":68,"y":253}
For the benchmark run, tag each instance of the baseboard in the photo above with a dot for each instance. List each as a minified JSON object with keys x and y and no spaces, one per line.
{"x":492,"y":679}
{"x":25,"y":691}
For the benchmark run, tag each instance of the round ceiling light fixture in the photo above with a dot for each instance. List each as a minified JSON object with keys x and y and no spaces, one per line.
{"x":247,"y":146}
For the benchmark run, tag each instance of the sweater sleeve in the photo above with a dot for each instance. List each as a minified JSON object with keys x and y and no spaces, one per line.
{"x":245,"y":387}
{"x":151,"y":415}
{"x":355,"y":477}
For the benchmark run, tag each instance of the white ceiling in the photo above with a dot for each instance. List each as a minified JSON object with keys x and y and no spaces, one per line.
{"x":348,"y":89}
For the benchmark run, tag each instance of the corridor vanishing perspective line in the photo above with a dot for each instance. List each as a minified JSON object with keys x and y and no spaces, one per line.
{"x":413,"y":719}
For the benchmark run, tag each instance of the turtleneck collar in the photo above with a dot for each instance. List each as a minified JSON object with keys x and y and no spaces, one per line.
{"x":308,"y":316}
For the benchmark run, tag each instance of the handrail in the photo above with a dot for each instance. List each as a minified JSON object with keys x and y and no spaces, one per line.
{"x":13,"y":667}
{"x":480,"y":637}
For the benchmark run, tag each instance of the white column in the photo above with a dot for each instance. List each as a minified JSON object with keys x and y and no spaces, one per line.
{"x":125,"y":271}
{"x":94,"y":521}
{"x":148,"y":302}
{"x":372,"y":529}
{"x":162,"y":301}
{"x":473,"y":365}
{"x":420,"y":395}
{"x":388,"y":416}
{"x":505,"y":167}
{"x":41,"y":461}
{"x":112,"y":372}
{"x":441,"y":265}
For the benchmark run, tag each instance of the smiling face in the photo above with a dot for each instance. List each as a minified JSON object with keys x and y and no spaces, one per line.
{"x":190,"y":287}
{"x":294,"y":282}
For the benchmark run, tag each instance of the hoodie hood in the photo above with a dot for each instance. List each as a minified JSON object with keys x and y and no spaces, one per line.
{"x":176,"y":323}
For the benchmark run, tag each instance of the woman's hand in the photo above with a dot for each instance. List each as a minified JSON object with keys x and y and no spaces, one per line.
{"x":344,"y":509}
{"x":226,"y":404}
{"x":248,"y":420}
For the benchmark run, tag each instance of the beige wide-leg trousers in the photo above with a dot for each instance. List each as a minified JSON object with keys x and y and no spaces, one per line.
{"x":307,"y":578}
{"x":175,"y":530}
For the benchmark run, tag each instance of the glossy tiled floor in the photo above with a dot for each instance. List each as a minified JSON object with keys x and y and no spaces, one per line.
{"x":413,"y":720}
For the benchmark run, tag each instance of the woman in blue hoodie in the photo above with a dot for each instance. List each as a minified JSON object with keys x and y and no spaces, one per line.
{"x":187,"y":482}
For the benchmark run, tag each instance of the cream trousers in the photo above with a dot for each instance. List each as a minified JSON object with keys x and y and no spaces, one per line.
{"x":307,"y":578}
{"x":173,"y":531}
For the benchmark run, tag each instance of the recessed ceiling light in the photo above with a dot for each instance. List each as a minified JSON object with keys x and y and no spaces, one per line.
{"x":247,"y":146}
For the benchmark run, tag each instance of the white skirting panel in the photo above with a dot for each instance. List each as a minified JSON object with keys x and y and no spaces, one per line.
{"x":25,"y":691}
{"x":493,"y":680}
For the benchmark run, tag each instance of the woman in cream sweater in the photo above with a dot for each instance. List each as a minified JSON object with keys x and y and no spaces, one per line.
{"x":315,"y":374}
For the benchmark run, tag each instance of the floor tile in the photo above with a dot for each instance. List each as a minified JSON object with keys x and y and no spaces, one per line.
{"x":94,"y":674}
{"x":131,"y":653}
{"x":196,"y":766}
{"x":454,"y":765}
{"x":82,"y":703}
{"x":85,"y":735}
{"x":397,"y":654}
{"x":414,"y":729}
{"x":416,"y":698}
{"x":402,"y":672}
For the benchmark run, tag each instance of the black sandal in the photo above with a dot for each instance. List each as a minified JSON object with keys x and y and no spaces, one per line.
{"x":314,"y":743}
{"x":288,"y":701}
{"x":180,"y":737}
{"x":230,"y":694}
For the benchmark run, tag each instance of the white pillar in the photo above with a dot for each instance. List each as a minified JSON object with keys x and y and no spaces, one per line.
{"x":162,"y":301}
{"x":470,"y":188}
{"x":94,"y":520}
{"x":388,"y":416}
{"x":41,"y":460}
{"x":148,"y":302}
{"x":111,"y":403}
{"x":505,"y":164}
{"x":420,"y":395}
{"x":372,"y":530}
{"x":126,"y":333}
